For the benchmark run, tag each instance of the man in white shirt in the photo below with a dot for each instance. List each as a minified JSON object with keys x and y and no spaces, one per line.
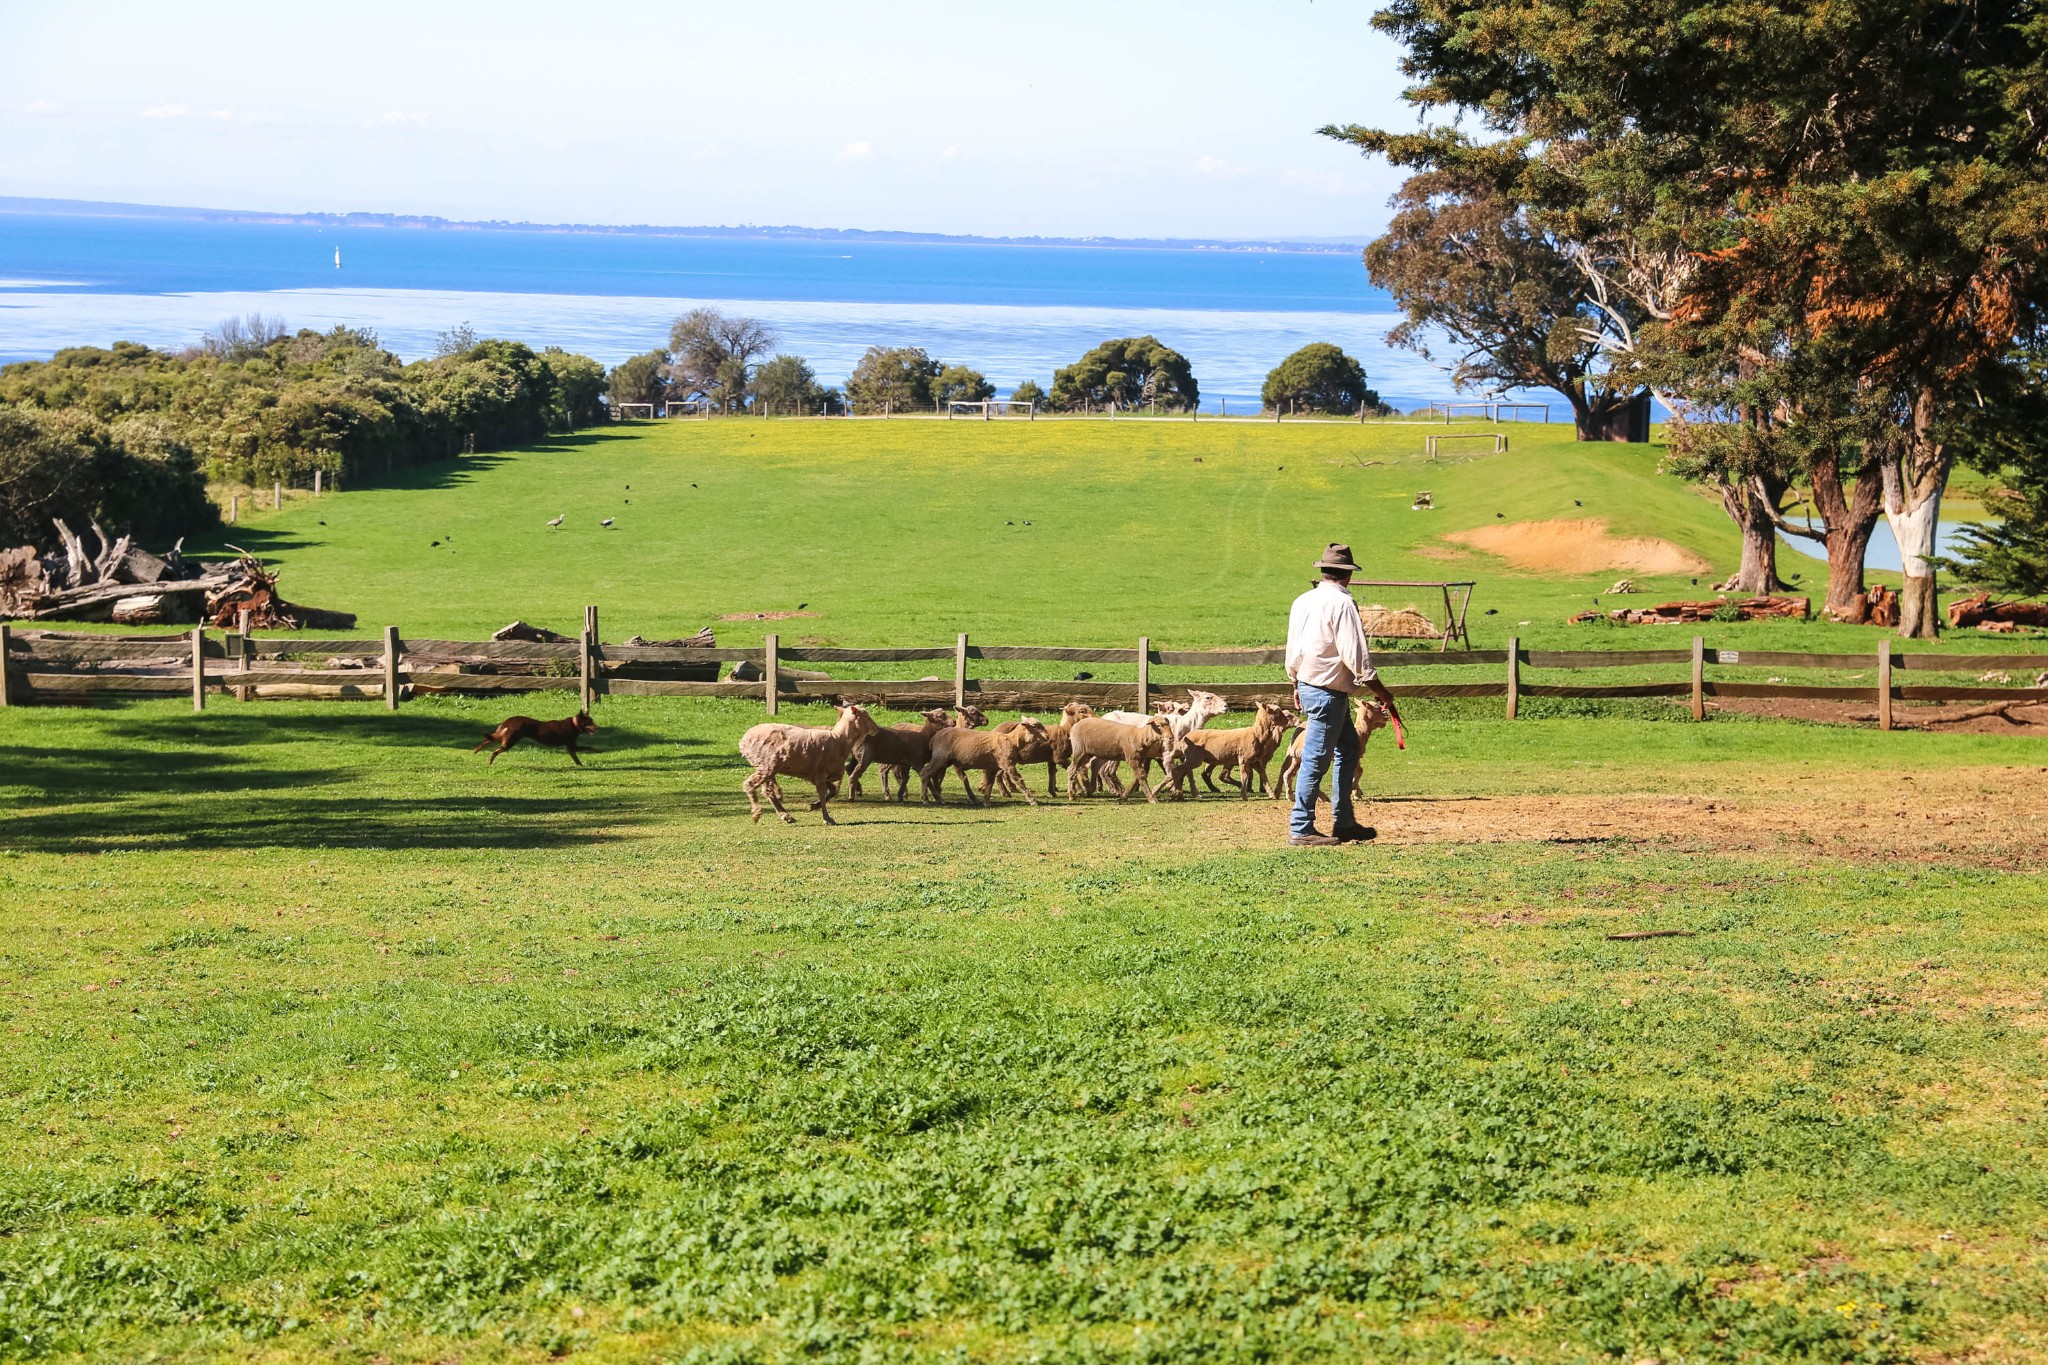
{"x":1327,"y":660}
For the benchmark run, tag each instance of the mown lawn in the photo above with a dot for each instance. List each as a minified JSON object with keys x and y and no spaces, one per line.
{"x":1055,"y":532}
{"x":328,"y":1042}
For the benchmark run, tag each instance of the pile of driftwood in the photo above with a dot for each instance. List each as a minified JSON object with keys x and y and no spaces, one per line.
{"x":116,"y":580}
{"x":2000,"y":618}
{"x":1714,"y":609}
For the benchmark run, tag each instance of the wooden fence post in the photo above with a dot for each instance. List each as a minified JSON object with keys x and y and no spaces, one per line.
{"x":1514,"y":675}
{"x":276,"y":494}
{"x":1884,"y":685}
{"x":199,"y":668}
{"x":589,"y":656}
{"x":770,"y":648}
{"x":243,"y":648}
{"x":391,"y":668}
{"x":960,"y":670}
{"x":316,"y":483}
{"x":1699,"y":678}
{"x":1144,"y":674}
{"x":6,"y":665}
{"x":234,"y":508}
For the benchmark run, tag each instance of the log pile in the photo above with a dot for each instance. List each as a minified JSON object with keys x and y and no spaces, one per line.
{"x":1714,"y":609}
{"x":115,"y":580}
{"x":2001,"y":617}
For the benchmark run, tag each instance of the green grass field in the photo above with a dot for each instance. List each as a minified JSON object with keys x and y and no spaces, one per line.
{"x":907,"y":532}
{"x":330,"y":1043}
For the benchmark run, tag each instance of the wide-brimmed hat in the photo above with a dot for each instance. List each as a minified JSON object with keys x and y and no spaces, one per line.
{"x":1337,"y":557}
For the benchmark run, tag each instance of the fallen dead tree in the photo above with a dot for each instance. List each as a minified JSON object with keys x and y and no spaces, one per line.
{"x":120,"y":582}
{"x":1982,"y":611}
{"x":1713,"y":609}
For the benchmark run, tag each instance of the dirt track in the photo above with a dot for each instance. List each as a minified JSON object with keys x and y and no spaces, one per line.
{"x":1990,"y":816}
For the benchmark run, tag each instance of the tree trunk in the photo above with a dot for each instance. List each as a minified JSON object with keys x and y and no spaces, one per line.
{"x":1913,"y":484}
{"x":1759,"y":571}
{"x":1847,"y":520}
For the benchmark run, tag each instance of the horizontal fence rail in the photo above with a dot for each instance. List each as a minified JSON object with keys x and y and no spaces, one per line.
{"x":59,"y":667}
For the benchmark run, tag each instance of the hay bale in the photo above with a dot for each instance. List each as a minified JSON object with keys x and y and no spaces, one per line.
{"x":1397,"y":623}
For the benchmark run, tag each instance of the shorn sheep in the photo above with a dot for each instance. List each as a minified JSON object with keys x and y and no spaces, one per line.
{"x":818,"y":756}
{"x":1371,"y":716}
{"x":1098,"y":745}
{"x":1054,"y":751}
{"x":1239,"y":753}
{"x":901,"y":750}
{"x":1182,"y":720}
{"x":992,"y":753}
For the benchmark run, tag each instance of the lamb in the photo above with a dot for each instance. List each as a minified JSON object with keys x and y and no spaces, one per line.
{"x":1239,"y":752}
{"x":1372,"y":714}
{"x":901,"y":750}
{"x":1055,"y":751}
{"x":1201,"y":708}
{"x":1099,"y":744}
{"x":993,"y":753}
{"x":816,"y":755}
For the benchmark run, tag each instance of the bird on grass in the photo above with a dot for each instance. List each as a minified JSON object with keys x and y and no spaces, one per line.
{"x":1083,"y":676}
{"x":559,"y":520}
{"x":1577,"y":503}
{"x":433,"y":545}
{"x":1500,"y":516}
{"x":801,"y":605}
{"x":606,"y":522}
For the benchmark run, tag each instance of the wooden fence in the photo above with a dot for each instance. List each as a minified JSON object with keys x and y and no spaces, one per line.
{"x":51,"y":669}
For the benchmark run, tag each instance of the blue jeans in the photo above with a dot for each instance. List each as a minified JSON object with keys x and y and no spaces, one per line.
{"x":1331,"y":746}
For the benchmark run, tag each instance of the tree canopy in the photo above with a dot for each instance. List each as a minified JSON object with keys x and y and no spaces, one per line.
{"x":1319,"y":377}
{"x":787,"y":385}
{"x":959,"y":384}
{"x":1875,"y":169}
{"x":712,"y":355}
{"x":892,"y":379}
{"x":1128,"y":373}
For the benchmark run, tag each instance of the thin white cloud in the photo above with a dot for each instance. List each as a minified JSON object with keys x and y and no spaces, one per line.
{"x":1216,"y":165}
{"x":858,"y":151}
{"x":222,"y":115}
{"x":166,"y":111}
{"x":43,"y":107}
{"x":949,"y":154}
{"x":398,"y":118}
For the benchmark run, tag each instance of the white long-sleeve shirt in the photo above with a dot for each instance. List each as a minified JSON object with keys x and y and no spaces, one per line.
{"x":1326,"y":644}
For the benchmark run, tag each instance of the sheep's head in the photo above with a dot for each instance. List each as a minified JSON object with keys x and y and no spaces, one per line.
{"x":1372,"y":714}
{"x":938,"y":715}
{"x":1272,"y":715}
{"x":1206,"y":706}
{"x":857,"y":720}
{"x":1076,"y":710}
{"x":971,"y":717}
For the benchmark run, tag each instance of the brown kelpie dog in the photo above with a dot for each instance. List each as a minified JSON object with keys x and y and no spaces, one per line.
{"x":556,"y":733}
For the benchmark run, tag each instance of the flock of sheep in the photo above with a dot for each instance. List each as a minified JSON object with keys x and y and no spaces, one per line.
{"x":1092,"y":749}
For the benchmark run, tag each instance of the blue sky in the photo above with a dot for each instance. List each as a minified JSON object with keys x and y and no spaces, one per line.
{"x":1184,"y":119}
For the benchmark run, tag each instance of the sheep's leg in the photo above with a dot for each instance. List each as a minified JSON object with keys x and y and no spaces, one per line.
{"x":1075,"y":787}
{"x":931,"y":782}
{"x":752,"y":787}
{"x":990,"y":777}
{"x":1023,"y":789}
{"x":967,"y":785}
{"x":826,"y":791}
{"x":1106,"y":771}
{"x":854,"y":768}
{"x":1050,"y":794}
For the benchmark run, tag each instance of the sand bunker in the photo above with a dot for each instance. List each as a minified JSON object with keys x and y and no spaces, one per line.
{"x":1579,"y":546}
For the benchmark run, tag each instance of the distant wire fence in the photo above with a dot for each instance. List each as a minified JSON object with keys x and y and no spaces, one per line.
{"x":57,"y":669}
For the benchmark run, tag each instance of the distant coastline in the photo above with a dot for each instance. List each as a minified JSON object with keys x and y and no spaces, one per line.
{"x":418,"y":222}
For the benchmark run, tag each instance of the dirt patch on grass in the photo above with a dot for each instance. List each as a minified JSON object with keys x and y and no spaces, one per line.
{"x":2027,"y":721}
{"x":1578,"y":546}
{"x":1990,"y":816}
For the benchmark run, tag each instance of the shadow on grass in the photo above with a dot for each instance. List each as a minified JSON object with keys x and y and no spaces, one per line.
{"x":256,"y":780}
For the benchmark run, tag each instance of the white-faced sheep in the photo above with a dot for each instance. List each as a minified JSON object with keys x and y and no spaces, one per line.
{"x":992,"y":753}
{"x":1372,"y":714}
{"x":1182,"y":720}
{"x":1239,"y":753}
{"x":818,"y":756}
{"x":1099,"y":745}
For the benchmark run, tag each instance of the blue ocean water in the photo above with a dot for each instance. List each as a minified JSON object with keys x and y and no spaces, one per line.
{"x":1014,"y":312}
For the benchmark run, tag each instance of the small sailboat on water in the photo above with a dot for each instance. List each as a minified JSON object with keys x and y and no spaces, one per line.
{"x":337,"y":258}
